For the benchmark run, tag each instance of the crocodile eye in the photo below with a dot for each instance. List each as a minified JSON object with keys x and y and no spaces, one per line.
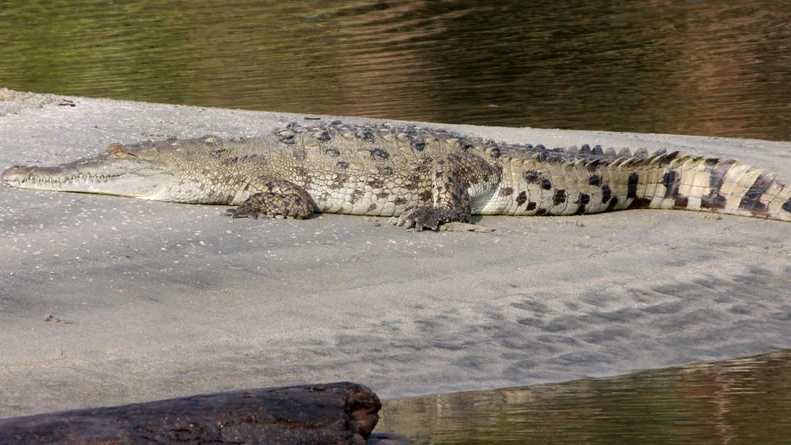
{"x":121,"y":154}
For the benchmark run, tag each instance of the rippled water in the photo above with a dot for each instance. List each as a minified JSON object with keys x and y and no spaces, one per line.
{"x":744,"y":401}
{"x":691,"y":67}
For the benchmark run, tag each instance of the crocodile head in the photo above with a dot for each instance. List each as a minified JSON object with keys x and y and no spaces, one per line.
{"x":162,"y":171}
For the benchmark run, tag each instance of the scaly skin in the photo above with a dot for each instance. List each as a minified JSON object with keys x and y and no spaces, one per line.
{"x":427,"y":177}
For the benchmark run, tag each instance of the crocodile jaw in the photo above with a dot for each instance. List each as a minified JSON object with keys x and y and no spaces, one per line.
{"x":142,"y":183}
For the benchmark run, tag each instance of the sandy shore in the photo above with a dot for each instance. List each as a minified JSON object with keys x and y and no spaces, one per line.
{"x":108,"y":300}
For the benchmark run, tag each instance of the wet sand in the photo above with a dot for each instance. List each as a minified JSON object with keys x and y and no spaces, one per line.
{"x":107,"y":300}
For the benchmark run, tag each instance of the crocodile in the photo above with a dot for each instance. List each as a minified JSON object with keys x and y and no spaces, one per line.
{"x":426,"y":177}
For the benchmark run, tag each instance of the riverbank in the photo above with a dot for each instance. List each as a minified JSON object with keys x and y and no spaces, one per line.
{"x":107,"y":301}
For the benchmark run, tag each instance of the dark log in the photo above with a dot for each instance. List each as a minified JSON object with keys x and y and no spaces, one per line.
{"x":336,"y":413}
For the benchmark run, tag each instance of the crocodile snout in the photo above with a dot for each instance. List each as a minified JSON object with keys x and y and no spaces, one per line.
{"x":15,"y":173}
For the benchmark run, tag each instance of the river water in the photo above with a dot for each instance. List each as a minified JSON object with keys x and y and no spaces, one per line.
{"x":661,"y":66}
{"x":720,"y":68}
{"x":743,"y":401}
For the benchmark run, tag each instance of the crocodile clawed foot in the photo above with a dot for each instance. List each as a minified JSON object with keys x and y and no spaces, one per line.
{"x":420,"y":218}
{"x":243,"y":211}
{"x":283,"y":200}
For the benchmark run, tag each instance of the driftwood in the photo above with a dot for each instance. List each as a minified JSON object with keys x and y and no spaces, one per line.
{"x":336,"y":413}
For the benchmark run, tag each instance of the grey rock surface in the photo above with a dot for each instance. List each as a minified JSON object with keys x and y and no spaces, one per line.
{"x":334,"y":413}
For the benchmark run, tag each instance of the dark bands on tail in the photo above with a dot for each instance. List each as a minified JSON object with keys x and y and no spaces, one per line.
{"x":714,"y":199}
{"x":601,"y":181}
{"x":721,"y":186}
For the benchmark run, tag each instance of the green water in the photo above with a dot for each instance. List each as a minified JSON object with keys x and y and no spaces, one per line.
{"x":691,"y":67}
{"x":744,"y":401}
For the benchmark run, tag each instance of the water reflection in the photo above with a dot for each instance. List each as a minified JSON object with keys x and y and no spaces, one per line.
{"x":694,"y":67}
{"x":739,"y":401}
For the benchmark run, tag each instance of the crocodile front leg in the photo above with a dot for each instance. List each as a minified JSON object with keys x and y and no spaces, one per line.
{"x":277,"y":198}
{"x":458,"y":179}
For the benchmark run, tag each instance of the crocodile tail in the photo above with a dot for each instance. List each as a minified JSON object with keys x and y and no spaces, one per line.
{"x":677,"y":181}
